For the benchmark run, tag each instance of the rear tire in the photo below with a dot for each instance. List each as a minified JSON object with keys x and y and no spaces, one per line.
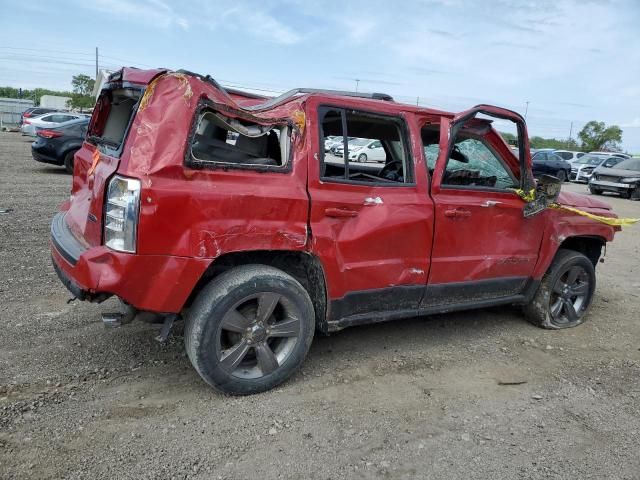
{"x":565,"y":293}
{"x":68,"y":161}
{"x":635,"y":194}
{"x":249,"y":329}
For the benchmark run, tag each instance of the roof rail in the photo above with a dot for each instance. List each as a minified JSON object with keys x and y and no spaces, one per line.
{"x":301,"y":91}
{"x":273,"y":102}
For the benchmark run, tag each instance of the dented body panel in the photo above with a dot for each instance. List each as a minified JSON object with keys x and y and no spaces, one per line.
{"x":367,"y":238}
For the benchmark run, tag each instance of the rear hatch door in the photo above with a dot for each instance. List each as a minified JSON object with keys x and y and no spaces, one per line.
{"x":98,"y":159}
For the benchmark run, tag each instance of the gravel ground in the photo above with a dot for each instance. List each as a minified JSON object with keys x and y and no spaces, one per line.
{"x":423,"y":398}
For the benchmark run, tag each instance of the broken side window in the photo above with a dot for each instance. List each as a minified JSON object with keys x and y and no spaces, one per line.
{"x":363,"y":147}
{"x":226,"y":141}
{"x":473,"y":162}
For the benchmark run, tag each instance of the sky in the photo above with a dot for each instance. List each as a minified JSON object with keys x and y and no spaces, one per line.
{"x":560,"y":61}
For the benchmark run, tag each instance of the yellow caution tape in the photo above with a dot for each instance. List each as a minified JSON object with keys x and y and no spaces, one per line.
{"x":527,"y":197}
{"x":614,"y":222}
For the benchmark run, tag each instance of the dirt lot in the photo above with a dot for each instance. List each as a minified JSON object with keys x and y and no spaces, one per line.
{"x":410,"y":399}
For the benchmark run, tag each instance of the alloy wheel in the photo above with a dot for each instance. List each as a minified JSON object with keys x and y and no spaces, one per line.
{"x":257,"y":335}
{"x":570,"y":296}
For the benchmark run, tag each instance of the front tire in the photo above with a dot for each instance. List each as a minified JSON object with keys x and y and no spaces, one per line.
{"x":595,"y":191}
{"x":561,"y":175}
{"x":565,"y":293}
{"x":249,"y":329}
{"x":362,"y":158}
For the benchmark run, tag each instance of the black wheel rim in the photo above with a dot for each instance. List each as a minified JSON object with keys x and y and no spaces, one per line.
{"x":257,"y":335}
{"x":570,"y":296}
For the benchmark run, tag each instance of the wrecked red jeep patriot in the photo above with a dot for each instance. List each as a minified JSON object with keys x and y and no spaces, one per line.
{"x":231,"y":211}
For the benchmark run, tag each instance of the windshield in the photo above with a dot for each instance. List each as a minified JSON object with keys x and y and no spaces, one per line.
{"x":590,"y":160}
{"x":359,"y":142}
{"x":631,"y":164}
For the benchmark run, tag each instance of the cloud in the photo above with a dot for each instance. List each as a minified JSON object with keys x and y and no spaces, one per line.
{"x":635,"y":123}
{"x":147,"y":12}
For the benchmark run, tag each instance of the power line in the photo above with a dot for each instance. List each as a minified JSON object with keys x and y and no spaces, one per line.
{"x":46,"y":50}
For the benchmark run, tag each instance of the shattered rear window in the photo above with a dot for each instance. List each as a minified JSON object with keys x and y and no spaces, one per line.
{"x":112,"y":115}
{"x":227,"y":141}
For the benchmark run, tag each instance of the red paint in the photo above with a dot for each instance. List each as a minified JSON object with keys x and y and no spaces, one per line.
{"x":188,"y":218}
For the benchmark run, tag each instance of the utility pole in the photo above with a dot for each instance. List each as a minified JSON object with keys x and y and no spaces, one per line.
{"x":357,"y":82}
{"x":570,"y":130}
{"x":417,"y":101}
{"x":526,"y":110}
{"x":96,"y":63}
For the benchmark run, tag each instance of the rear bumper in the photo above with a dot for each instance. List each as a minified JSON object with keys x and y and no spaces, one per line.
{"x":39,"y":156}
{"x":157,"y":283}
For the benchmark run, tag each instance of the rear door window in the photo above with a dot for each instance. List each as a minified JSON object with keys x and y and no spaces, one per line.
{"x":371,"y":148}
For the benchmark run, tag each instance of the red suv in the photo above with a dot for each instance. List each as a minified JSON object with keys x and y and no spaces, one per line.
{"x":190,"y":200}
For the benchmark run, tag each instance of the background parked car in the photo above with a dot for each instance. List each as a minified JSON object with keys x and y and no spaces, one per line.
{"x":583,"y":168}
{"x":546,"y":162}
{"x":569,"y":155}
{"x":58,"y":145}
{"x":611,"y":154}
{"x":34,"y":112}
{"x":623,"y":178}
{"x":47,"y":121}
{"x":372,"y":151}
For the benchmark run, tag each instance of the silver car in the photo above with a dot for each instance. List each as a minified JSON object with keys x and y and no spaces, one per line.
{"x":48,"y":120}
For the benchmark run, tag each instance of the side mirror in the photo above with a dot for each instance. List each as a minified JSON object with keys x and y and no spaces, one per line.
{"x":547,"y":192}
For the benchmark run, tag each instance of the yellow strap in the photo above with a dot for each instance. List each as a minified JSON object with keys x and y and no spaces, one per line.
{"x":614,"y":222}
{"x":527,"y":197}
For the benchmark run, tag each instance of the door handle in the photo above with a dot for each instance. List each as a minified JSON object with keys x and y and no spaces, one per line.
{"x":369,"y":201}
{"x":491,"y":203}
{"x":457,"y":213}
{"x":340,"y":212}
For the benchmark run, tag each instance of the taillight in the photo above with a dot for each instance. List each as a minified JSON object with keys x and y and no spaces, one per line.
{"x":49,"y":133}
{"x":27,"y":122}
{"x":26,"y":114}
{"x":121,"y":214}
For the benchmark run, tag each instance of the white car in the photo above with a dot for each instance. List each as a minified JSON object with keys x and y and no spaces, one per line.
{"x":582,"y":169}
{"x":47,"y":120}
{"x":364,"y":150}
{"x":371,"y":151}
{"x":612,"y":154}
{"x":569,"y":155}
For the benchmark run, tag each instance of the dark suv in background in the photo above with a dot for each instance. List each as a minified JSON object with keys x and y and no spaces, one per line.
{"x":550,"y":163}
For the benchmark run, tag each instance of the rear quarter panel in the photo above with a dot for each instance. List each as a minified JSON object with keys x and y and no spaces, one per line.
{"x":206,"y":212}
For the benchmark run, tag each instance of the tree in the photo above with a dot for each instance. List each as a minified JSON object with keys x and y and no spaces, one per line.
{"x":597,"y":136}
{"x":82,"y":84}
{"x":82,"y":92}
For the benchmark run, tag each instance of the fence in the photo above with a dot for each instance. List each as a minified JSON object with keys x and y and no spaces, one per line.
{"x":11,"y":109}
